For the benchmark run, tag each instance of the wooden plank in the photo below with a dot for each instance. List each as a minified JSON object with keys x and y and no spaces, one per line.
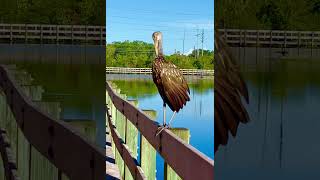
{"x":184,"y":134}
{"x":120,"y":125}
{"x":131,"y":140}
{"x":147,"y":152}
{"x":112,"y":170}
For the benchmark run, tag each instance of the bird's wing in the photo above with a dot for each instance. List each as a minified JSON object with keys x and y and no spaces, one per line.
{"x":228,"y":89}
{"x":176,"y":89}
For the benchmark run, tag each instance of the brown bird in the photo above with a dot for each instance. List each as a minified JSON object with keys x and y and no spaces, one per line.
{"x":229,"y":88}
{"x":172,"y":86}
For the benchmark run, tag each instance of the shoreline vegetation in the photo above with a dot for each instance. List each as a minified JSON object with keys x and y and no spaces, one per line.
{"x":272,"y":14}
{"x":62,"y":12}
{"x":139,"y":54}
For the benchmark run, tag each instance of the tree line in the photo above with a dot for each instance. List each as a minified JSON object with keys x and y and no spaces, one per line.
{"x":70,"y":12}
{"x":268,"y":14}
{"x":140,"y":54}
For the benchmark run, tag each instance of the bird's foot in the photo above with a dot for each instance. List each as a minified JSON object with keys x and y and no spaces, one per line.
{"x":161,"y":128}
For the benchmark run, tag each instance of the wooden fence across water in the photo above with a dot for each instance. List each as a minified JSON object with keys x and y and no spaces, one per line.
{"x":123,"y":70}
{"x":125,"y":122}
{"x":271,"y":38}
{"x":52,"y":34}
{"x":35,"y":143}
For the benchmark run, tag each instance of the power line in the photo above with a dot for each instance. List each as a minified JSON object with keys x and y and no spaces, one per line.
{"x":152,"y":25}
{"x":184,"y":37}
{"x":197,"y":54}
{"x":175,"y":21}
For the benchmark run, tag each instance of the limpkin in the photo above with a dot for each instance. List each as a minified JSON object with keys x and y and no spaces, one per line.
{"x":170,"y":82}
{"x":229,"y":87}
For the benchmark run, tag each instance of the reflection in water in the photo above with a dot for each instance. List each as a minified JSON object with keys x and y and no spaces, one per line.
{"x":80,"y":91}
{"x":197,"y":115}
{"x":281,"y":141}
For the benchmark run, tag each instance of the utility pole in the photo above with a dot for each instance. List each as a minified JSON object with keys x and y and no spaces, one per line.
{"x":184,"y":37}
{"x":202,"y":38}
{"x":197,"y":54}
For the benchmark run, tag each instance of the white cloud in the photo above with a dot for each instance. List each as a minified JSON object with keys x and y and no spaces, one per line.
{"x":188,"y":52}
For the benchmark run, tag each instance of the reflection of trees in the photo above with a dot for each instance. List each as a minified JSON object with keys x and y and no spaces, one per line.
{"x":287,"y":75}
{"x":269,"y":14}
{"x":84,"y":80}
{"x":145,"y":88}
{"x":137,"y":88}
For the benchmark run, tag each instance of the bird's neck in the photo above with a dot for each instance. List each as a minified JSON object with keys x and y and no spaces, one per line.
{"x":160,"y":47}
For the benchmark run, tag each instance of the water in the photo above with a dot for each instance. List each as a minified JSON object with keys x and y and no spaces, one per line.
{"x":78,"y":87}
{"x":197,"y":115}
{"x":281,"y":139}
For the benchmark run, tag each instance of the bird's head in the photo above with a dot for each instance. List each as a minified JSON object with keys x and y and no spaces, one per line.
{"x":157,"y":39}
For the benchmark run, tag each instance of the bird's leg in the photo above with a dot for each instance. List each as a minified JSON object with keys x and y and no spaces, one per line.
{"x":164,"y":113}
{"x":164,"y":126}
{"x":174,"y":113}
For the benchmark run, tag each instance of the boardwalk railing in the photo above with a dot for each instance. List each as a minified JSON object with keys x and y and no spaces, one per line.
{"x":271,"y":38}
{"x":184,"y":159}
{"x":123,"y":70}
{"x":52,"y":33}
{"x":44,"y":146}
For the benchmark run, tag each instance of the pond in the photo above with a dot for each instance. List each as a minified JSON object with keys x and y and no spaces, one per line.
{"x":197,"y":115}
{"x":79,"y":89}
{"x":281,"y":140}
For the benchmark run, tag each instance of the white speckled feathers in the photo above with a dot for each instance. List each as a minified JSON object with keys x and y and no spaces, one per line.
{"x":171,"y":84}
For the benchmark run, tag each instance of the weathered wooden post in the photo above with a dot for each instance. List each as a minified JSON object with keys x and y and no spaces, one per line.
{"x":120,"y":127}
{"x":11,"y":34}
{"x":147,"y":152}
{"x":71,"y":34}
{"x":41,"y":34}
{"x":312,"y":42}
{"x":184,"y":134}
{"x":25,"y":33}
{"x":101,"y":35}
{"x":86,"y":128}
{"x":57,"y":34}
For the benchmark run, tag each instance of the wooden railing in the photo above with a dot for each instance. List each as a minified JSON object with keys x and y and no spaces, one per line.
{"x":271,"y":38}
{"x":184,"y":159}
{"x":123,"y":70}
{"x":44,"y":146}
{"x":52,"y":33}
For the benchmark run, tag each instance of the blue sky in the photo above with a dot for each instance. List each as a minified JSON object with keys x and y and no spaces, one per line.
{"x":138,"y":19}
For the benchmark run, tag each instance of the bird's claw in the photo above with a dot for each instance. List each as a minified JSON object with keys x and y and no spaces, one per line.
{"x":161,"y":128}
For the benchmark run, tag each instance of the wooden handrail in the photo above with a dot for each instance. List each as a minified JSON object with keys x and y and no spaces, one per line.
{"x":124,"y":151}
{"x":203,"y":72}
{"x":57,"y":141}
{"x":38,"y":32}
{"x":186,"y":161}
{"x":271,"y":37}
